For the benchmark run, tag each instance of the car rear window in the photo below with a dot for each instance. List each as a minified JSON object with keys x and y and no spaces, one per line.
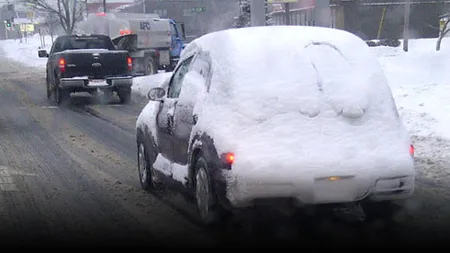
{"x":88,"y":43}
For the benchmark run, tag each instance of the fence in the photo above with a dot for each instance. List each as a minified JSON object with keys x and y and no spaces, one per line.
{"x":296,"y":17}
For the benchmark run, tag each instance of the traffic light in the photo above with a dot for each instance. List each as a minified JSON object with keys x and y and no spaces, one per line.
{"x":8,"y":23}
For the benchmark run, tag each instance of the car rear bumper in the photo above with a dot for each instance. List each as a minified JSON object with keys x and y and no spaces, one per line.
{"x":85,"y":83}
{"x":242,"y":191}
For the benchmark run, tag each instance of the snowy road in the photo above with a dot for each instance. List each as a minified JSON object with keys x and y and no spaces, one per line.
{"x":69,"y":174}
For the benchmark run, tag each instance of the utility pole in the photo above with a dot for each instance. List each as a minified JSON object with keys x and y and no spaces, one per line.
{"x":258,"y":12}
{"x":6,"y":30}
{"x":143,"y":8}
{"x":406,"y":25}
{"x":104,"y":6}
{"x":287,"y":9}
{"x":86,"y":8}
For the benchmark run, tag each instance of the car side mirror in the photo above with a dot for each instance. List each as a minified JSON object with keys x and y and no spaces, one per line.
{"x":156,"y":94}
{"x":43,"y":53}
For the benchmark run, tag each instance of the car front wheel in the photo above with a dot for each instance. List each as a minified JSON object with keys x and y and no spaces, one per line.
{"x":147,"y":175}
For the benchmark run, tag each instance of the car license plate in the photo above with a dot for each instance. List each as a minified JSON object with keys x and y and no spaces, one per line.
{"x":97,"y":83}
{"x":335,"y":191}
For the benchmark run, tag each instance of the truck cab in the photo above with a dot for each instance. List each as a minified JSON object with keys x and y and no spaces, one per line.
{"x":177,"y":42}
{"x":154,"y":43}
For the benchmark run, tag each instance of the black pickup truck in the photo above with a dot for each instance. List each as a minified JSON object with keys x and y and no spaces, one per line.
{"x":87,"y":63}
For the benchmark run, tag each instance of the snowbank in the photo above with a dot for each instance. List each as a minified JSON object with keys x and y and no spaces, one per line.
{"x":420,"y":82}
{"x":26,"y":52}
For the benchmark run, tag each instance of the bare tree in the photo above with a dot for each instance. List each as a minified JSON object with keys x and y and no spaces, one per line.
{"x":67,"y":12}
{"x":444,"y":31}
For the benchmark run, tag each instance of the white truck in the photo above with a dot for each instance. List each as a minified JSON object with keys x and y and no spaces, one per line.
{"x":152,"y":42}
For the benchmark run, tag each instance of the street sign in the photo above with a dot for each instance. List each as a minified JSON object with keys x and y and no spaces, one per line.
{"x":27,"y":28}
{"x":281,"y":1}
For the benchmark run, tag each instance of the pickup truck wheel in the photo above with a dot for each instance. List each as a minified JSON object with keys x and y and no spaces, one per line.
{"x":61,"y":95}
{"x":49,"y":89}
{"x":150,"y":66}
{"x":124,"y":96}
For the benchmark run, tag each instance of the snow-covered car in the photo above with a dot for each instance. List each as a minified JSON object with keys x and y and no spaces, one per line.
{"x":299,"y":113}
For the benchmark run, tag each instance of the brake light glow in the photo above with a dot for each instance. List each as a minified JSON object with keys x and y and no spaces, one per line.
{"x":62,"y":65}
{"x":229,"y":158}
{"x":100,"y":14}
{"x":411,"y":150}
{"x":130,"y":63}
{"x":125,"y":31}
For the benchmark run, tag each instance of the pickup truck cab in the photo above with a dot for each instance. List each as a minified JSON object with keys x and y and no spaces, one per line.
{"x":87,"y":63}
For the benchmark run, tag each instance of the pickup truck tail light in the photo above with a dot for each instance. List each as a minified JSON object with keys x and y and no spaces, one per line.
{"x":411,"y":150}
{"x":62,"y":65}
{"x":130,"y":63}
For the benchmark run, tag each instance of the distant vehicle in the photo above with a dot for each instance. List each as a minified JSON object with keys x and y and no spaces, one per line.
{"x":153,"y":43}
{"x":307,"y":116}
{"x":87,"y":63}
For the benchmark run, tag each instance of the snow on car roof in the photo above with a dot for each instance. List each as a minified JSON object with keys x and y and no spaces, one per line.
{"x":295,"y":65}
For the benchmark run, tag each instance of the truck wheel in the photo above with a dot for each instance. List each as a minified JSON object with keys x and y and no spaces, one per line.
{"x":150,"y":66}
{"x":168,"y":68}
{"x":61,"y":95}
{"x":124,"y":96}
{"x":49,"y":89}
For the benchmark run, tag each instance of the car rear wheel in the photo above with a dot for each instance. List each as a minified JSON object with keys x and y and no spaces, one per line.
{"x":210,"y":211}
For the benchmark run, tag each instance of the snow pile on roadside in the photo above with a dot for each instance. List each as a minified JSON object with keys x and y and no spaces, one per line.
{"x":26,"y":52}
{"x":420,"y":82}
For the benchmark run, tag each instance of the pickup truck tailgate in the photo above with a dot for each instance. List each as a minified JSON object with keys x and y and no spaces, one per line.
{"x":95,"y":63}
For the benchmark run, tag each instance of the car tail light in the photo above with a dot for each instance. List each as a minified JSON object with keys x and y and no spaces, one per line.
{"x":62,"y":65}
{"x":228,"y":158}
{"x":130,"y":63}
{"x":411,"y":150}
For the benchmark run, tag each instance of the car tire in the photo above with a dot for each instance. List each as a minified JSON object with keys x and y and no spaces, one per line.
{"x":49,"y":88}
{"x":61,"y":95}
{"x":145,"y":169}
{"x":209,"y":209}
{"x":124,"y":96}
